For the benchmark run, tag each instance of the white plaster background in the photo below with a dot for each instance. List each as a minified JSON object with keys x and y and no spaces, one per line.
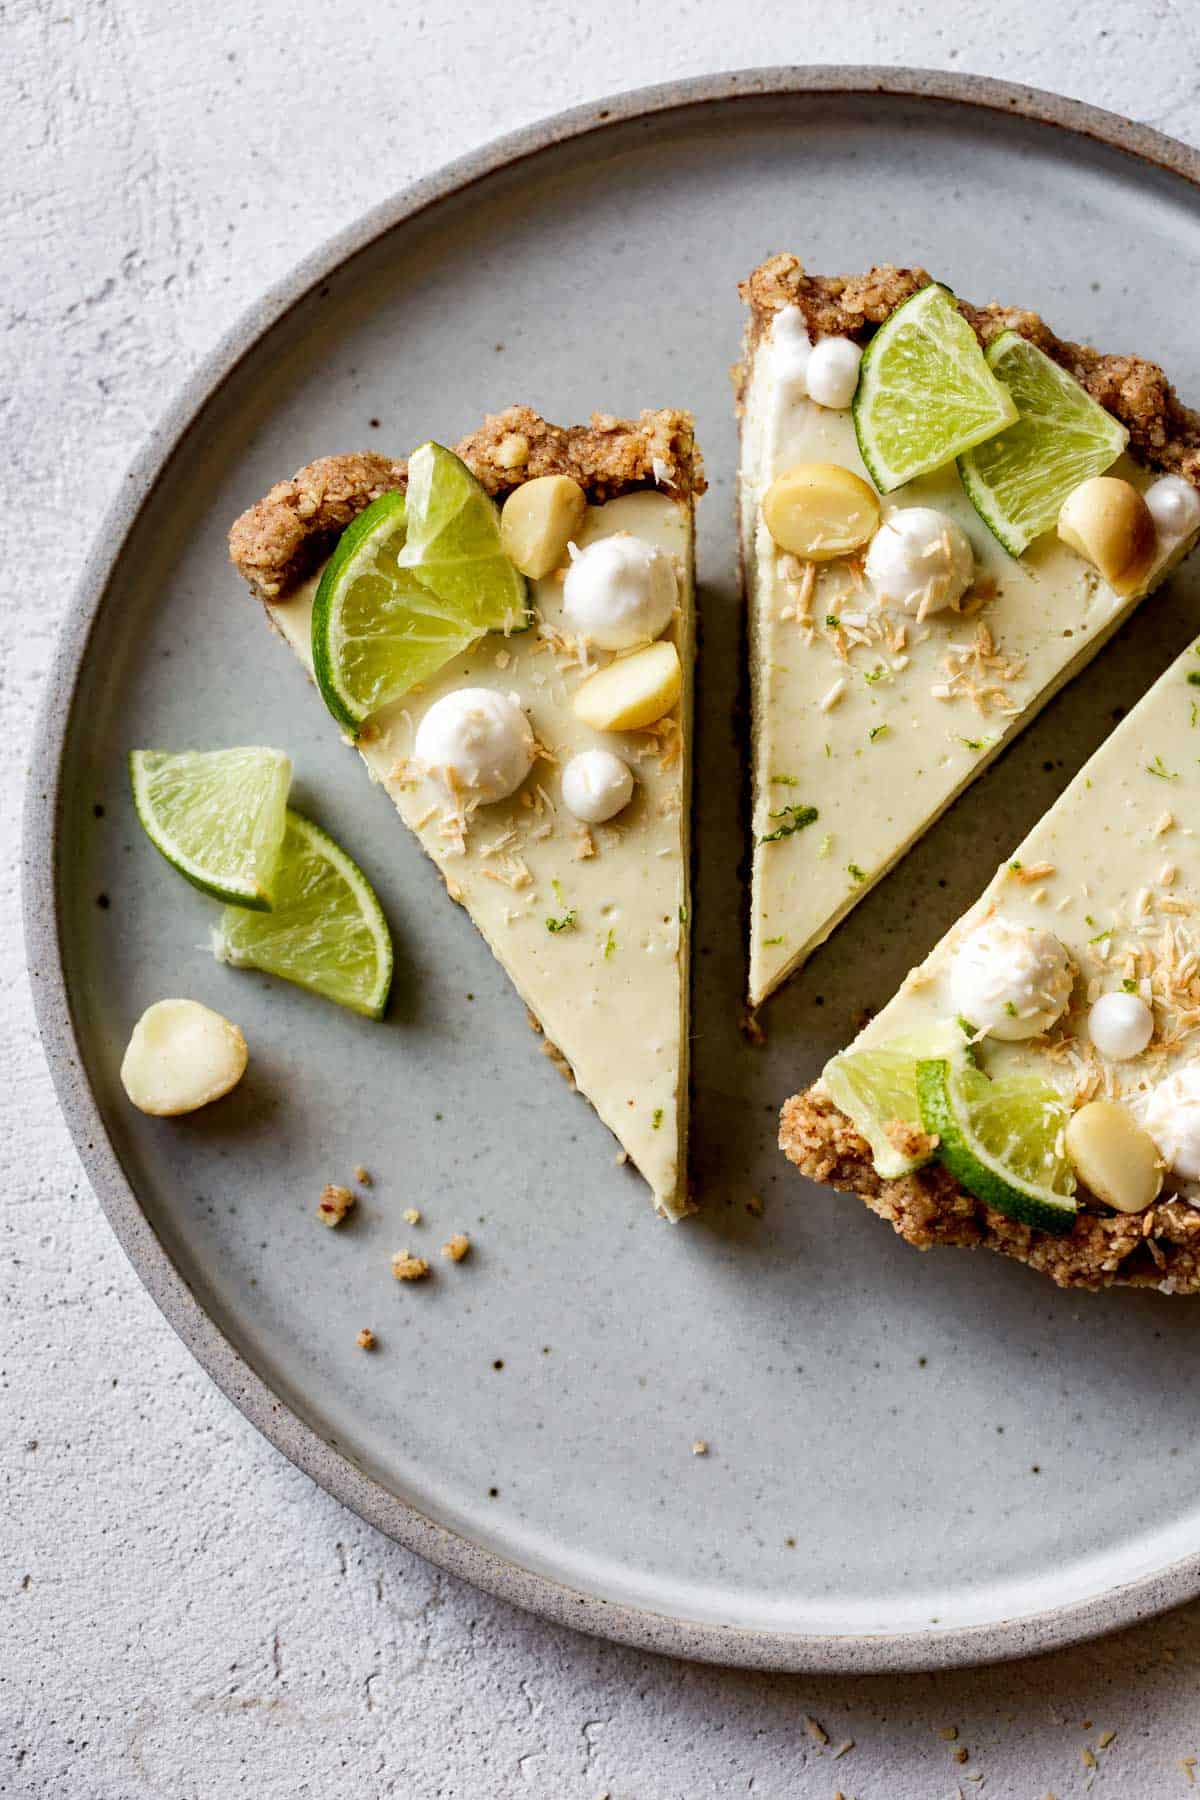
{"x":183,"y":1616}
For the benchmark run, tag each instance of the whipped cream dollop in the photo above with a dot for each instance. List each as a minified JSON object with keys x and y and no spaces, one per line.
{"x":1174,"y":506}
{"x":832,"y":373}
{"x":596,"y":785}
{"x":919,"y":560}
{"x":1011,"y":981}
{"x":1120,"y":1026}
{"x":826,"y":371}
{"x":477,"y":743}
{"x":620,"y":591}
{"x":791,"y":351}
{"x":1172,"y":1117}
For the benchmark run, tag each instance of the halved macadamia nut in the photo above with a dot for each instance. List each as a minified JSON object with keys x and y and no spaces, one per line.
{"x":182,"y":1056}
{"x":820,"y":510}
{"x":633,"y":692}
{"x":1109,"y":524}
{"x":538,"y":521}
{"x":1113,"y":1156}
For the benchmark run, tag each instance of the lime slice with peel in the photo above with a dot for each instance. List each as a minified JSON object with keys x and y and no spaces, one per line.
{"x":377,"y":629}
{"x":1002,"y":1140}
{"x":326,"y":931}
{"x":216,"y":815}
{"x":1018,"y":480}
{"x":925,"y":392}
{"x":876,"y":1088}
{"x":453,"y":543}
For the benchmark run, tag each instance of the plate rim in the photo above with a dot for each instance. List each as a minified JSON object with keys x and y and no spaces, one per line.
{"x":332,"y":1469}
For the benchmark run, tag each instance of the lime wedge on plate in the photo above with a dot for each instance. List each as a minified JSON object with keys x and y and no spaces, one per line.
{"x":878,"y":1086}
{"x":925,"y":392}
{"x":1002,"y":1140}
{"x":326,"y":931}
{"x":216,"y":815}
{"x":453,"y":543}
{"x":376,"y":628}
{"x":1018,"y":480}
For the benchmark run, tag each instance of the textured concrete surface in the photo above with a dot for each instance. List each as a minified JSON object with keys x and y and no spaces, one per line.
{"x":185,"y":1616}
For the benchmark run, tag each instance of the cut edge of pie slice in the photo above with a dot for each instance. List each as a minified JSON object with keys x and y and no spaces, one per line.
{"x":1112,"y":873}
{"x":590,"y":922}
{"x":867,"y":722}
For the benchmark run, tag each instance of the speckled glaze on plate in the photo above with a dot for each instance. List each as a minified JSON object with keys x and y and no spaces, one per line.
{"x":914,"y":1461}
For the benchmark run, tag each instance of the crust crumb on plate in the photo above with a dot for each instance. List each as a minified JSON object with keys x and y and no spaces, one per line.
{"x":281,"y":540}
{"x":334,"y":1204}
{"x":455,"y":1248}
{"x":1163,"y":432}
{"x":928,"y":1207}
{"x":366,"y":1339}
{"x":407,"y":1267}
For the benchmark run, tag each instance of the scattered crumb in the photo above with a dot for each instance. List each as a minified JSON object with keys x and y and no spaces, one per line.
{"x":756,"y":1206}
{"x":816,"y":1732}
{"x":1087,"y":1757}
{"x":411,"y":1215}
{"x":948,"y":1733}
{"x":406,"y":1267}
{"x":960,"y":1755}
{"x":752,"y":1031}
{"x":1188,"y":1765}
{"x":700,"y":1447}
{"x":362,"y":1176}
{"x":1105,"y":1739}
{"x":456,"y":1248}
{"x":843,"y":1749}
{"x":366,"y":1338}
{"x":334,"y":1204}
{"x":621,"y":1158}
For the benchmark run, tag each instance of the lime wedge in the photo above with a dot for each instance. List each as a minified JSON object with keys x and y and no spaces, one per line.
{"x":1018,"y":480}
{"x":326,"y":931}
{"x":453,"y":544}
{"x":1002,"y":1140}
{"x":216,"y":815}
{"x":877,"y":1087}
{"x":925,"y":392}
{"x":376,"y":628}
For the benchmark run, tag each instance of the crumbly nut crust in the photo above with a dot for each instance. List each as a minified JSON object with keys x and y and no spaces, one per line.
{"x":608,"y":456}
{"x":928,"y":1208}
{"x":1163,"y":433}
{"x":282,"y":539}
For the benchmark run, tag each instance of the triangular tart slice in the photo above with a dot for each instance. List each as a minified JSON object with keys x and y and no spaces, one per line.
{"x":590,"y":921}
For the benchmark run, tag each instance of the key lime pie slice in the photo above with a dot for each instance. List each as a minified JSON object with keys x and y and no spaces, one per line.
{"x":1034,"y":1086}
{"x":519,"y":678}
{"x":945,"y":511}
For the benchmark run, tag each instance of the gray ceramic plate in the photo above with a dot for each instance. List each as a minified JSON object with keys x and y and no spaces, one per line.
{"x":915,"y":1461}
